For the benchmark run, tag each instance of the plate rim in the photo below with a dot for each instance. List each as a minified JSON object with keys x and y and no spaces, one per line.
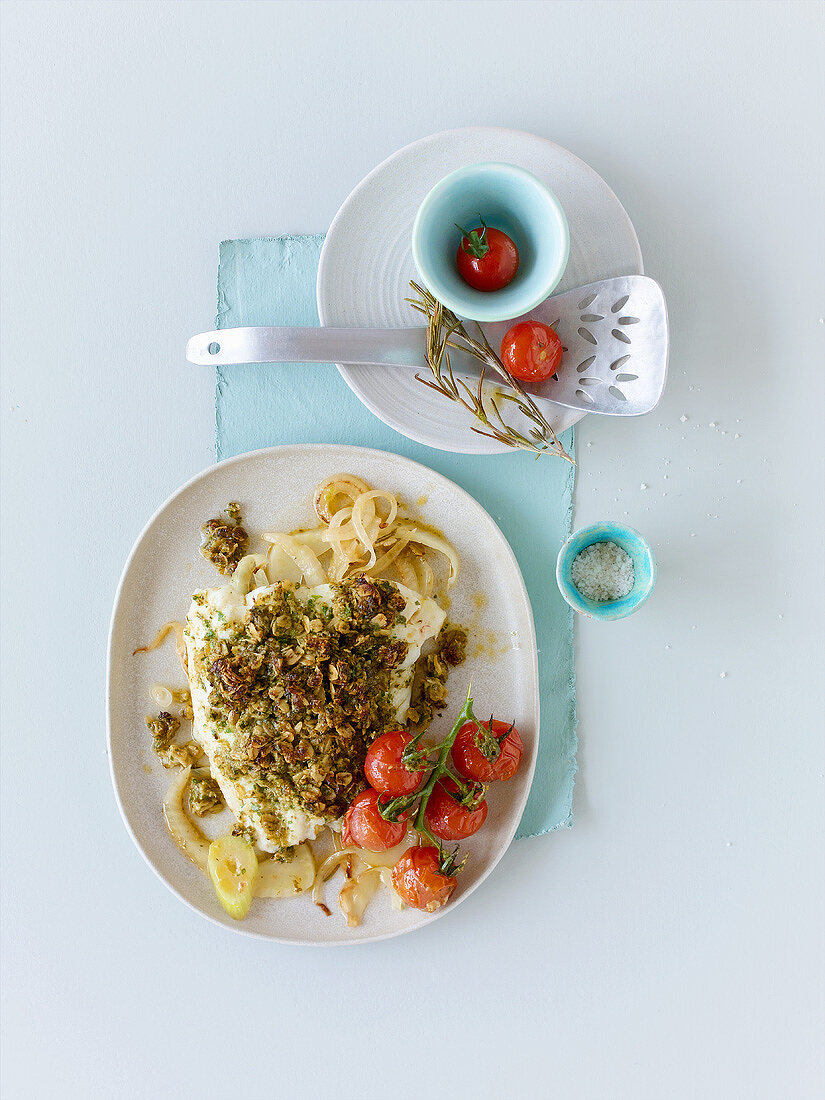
{"x":344,"y":371}
{"x":116,"y":610}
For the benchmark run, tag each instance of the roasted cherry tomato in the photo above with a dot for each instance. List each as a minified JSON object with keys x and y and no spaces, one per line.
{"x":447,"y":817}
{"x":487,"y":258}
{"x":531,"y":350}
{"x":493,"y":751}
{"x":385,"y":769}
{"x":419,"y":880}
{"x":364,"y":827}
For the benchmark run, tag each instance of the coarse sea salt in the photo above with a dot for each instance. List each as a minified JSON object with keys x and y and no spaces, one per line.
{"x":603,"y":572}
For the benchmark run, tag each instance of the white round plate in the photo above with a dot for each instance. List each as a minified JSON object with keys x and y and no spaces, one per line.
{"x":366,"y":264}
{"x":274,"y":488}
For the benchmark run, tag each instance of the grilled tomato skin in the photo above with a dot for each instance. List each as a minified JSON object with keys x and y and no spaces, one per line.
{"x":419,"y":880}
{"x":469,"y":756}
{"x":385,"y":769}
{"x":364,"y":827}
{"x":447,"y":818}
{"x":531,"y":350}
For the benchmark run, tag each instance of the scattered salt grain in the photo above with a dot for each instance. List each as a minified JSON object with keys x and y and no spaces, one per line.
{"x":712,"y":424}
{"x":722,"y":675}
{"x":603,"y":572}
{"x":683,"y":418}
{"x":643,"y":485}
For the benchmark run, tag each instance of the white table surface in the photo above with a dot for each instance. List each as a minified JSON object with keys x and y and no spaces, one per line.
{"x":671,"y":943}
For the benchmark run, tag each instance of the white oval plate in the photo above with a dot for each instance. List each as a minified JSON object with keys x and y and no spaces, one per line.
{"x":366,"y":264}
{"x":274,"y":488}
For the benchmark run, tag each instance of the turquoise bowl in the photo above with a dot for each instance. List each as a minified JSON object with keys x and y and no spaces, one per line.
{"x":633,"y":544}
{"x":507,"y":198}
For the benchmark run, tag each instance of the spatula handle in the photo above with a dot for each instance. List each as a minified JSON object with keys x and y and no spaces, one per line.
{"x":398,"y":347}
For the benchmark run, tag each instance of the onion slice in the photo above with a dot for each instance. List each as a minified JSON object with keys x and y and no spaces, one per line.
{"x":244,"y":570}
{"x":286,"y":878}
{"x":311,"y":569}
{"x":437,"y":542}
{"x":185,"y":834}
{"x":160,"y":638}
{"x":161,"y":695}
{"x":356,"y":894}
{"x":345,"y":485}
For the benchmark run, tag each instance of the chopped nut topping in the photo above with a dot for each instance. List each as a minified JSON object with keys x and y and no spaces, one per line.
{"x":204,"y":795}
{"x":303,"y":690}
{"x":450,"y":650}
{"x":164,"y":730}
{"x":225,"y":540}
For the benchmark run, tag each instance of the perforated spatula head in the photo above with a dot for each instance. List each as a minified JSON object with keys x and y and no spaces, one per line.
{"x":615,"y":339}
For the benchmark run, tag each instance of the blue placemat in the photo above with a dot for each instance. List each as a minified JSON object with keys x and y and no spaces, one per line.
{"x":272,"y":282}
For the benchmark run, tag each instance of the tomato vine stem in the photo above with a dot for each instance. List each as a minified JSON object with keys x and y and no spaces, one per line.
{"x":465,"y":715}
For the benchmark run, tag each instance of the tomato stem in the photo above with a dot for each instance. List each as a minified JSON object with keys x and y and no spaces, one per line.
{"x":475,"y":242}
{"x":465,"y":715}
{"x":394,"y":808}
{"x":487,"y":743}
{"x":468,"y":793}
{"x":415,"y":757}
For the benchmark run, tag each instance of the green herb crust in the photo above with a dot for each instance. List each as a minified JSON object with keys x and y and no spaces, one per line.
{"x":225,"y":540}
{"x":298,"y":691}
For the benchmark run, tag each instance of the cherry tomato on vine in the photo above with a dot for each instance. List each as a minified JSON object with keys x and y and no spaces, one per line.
{"x":419,"y":879}
{"x":487,"y":259}
{"x":447,"y":817}
{"x":385,"y":769}
{"x":487,"y":754}
{"x":531,"y":350}
{"x":364,"y":827}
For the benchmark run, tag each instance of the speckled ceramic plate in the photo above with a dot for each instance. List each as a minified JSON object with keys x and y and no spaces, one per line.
{"x":366,"y":264}
{"x":275,"y":487}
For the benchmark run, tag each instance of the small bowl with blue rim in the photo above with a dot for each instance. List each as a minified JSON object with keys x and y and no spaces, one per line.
{"x":507,"y":198}
{"x":634,"y":545}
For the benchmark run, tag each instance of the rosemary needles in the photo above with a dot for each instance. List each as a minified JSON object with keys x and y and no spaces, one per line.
{"x":444,"y":331}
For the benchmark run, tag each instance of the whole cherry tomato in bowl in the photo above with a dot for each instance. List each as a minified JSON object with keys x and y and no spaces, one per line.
{"x":364,"y":827}
{"x":451,"y":815}
{"x":531,"y":350}
{"x":487,"y":258}
{"x":487,"y":751}
{"x":422,"y":880}
{"x":385,"y":766}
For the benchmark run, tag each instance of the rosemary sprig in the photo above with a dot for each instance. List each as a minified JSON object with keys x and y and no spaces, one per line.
{"x":445,"y":330}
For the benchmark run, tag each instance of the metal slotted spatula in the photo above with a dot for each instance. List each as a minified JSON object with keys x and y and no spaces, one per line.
{"x":614,"y":334}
